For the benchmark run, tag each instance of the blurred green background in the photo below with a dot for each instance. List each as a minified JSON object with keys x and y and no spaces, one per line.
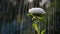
{"x":11,"y":10}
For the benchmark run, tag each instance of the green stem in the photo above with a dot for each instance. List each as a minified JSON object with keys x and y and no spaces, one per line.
{"x":36,"y":27}
{"x":38,"y":32}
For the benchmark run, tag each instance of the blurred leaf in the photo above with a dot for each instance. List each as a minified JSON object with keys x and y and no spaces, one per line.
{"x":43,"y":31}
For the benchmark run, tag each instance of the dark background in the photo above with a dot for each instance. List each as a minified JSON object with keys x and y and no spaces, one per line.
{"x":14,"y":19}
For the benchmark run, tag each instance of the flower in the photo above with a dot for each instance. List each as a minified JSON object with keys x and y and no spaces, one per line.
{"x":45,"y":2}
{"x":36,"y":11}
{"x":30,"y":1}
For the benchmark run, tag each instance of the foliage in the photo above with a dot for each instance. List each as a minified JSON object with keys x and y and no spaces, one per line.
{"x":37,"y":19}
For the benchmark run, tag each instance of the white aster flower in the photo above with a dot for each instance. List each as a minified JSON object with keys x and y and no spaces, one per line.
{"x":36,"y":11}
{"x":42,"y":2}
{"x":45,"y":2}
{"x":30,"y":1}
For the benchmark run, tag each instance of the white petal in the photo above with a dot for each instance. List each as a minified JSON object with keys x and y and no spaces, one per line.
{"x":37,"y":10}
{"x":30,"y":1}
{"x":42,"y":2}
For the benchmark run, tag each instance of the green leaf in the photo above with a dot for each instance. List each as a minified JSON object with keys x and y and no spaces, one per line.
{"x":35,"y":26}
{"x":43,"y":31}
